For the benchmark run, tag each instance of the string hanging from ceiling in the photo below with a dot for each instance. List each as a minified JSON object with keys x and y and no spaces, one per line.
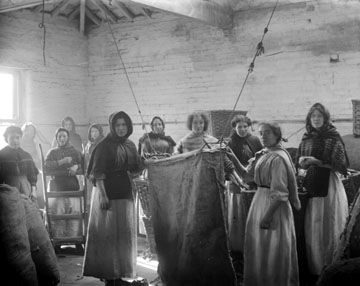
{"x":42,"y":26}
{"x":259,"y":51}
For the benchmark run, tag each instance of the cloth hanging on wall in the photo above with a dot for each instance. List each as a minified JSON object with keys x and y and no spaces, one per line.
{"x":187,"y":207}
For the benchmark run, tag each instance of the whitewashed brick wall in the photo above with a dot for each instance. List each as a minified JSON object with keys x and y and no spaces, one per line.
{"x":53,"y":91}
{"x":177,"y":65}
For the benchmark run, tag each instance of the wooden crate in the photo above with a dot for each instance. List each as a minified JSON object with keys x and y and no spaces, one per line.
{"x":356,"y":117}
{"x":218,"y":120}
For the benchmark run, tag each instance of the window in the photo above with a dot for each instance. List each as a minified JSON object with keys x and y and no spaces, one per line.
{"x":8,"y":95}
{"x":9,"y":100}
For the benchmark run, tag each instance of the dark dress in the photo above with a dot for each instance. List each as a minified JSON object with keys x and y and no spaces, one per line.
{"x":17,"y":169}
{"x":244,"y":149}
{"x":156,"y":143}
{"x":61,"y":181}
{"x":110,"y":252}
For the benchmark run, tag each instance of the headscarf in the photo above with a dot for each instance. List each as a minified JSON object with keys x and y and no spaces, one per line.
{"x":61,"y":129}
{"x":112,"y":121}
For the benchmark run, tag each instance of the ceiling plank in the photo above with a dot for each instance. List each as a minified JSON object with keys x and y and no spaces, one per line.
{"x":74,"y":13}
{"x":92,"y":16}
{"x":82,"y":16}
{"x":128,"y":14}
{"x":207,"y":12}
{"x":105,"y":10}
{"x":23,"y":6}
{"x":146,"y":12}
{"x":60,"y":7}
{"x":37,"y":9}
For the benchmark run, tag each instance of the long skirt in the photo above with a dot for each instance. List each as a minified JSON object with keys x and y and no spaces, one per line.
{"x":237,"y":215}
{"x":270,"y":256}
{"x":325,"y":219}
{"x":110,"y":251}
{"x":61,"y":205}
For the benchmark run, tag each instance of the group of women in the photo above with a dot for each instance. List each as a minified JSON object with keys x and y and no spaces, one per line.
{"x":266,"y":236}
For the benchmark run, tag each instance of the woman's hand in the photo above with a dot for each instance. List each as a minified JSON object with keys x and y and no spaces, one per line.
{"x":105,"y":203}
{"x":63,"y":161}
{"x":73,"y":170}
{"x":307,"y":161}
{"x":33,"y":195}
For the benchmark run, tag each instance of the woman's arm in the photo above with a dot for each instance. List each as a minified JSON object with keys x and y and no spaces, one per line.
{"x":279,"y":192}
{"x":105,"y":203}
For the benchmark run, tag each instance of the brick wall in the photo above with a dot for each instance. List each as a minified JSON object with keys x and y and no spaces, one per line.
{"x":51,"y":92}
{"x":177,"y":65}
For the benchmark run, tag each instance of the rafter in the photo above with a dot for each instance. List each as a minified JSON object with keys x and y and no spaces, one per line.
{"x":92,"y":16}
{"x":60,"y":7}
{"x":82,"y":16}
{"x":146,"y":12}
{"x":124,"y":10}
{"x":105,"y":10}
{"x":73,"y":13}
{"x":215,"y":14}
{"x":23,"y":6}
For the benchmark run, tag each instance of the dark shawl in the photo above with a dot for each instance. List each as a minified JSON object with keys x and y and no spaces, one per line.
{"x":152,"y":135}
{"x":242,"y":145}
{"x":111,"y":160}
{"x":17,"y":162}
{"x":326,"y":145}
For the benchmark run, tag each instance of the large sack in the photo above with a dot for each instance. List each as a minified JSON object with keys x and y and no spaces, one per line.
{"x":42,"y":251}
{"x":187,"y":208}
{"x":16,"y":265}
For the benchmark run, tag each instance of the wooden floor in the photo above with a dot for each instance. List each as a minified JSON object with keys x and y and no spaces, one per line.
{"x":70,"y":265}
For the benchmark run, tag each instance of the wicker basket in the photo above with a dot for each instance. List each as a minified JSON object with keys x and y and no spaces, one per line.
{"x":150,"y":235}
{"x":143,"y":192}
{"x":218,"y":120}
{"x":356,"y":117}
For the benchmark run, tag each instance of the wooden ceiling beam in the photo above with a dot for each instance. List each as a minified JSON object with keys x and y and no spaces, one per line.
{"x":82,"y":16}
{"x":128,"y":14}
{"x":207,"y":12}
{"x":23,"y":6}
{"x":92,"y":17}
{"x":146,"y":12}
{"x":74,"y":13}
{"x":60,"y":7}
{"x":105,"y":10}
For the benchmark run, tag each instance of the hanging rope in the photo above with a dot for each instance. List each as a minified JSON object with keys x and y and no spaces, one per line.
{"x":42,"y":26}
{"x":130,"y":85}
{"x":259,"y":51}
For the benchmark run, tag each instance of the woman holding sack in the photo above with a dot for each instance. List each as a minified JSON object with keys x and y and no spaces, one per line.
{"x":244,"y":145}
{"x":110,"y":252}
{"x":322,"y":153}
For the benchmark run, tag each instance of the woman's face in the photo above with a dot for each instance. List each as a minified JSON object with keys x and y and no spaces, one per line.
{"x":94,"y":133}
{"x":241,"y":129}
{"x":120,"y":127}
{"x":62,"y":138}
{"x":198,"y":124}
{"x":68,"y":125}
{"x":29,"y":131}
{"x":157,"y":126}
{"x":317,"y":119}
{"x":13,"y":140}
{"x":267,"y":136}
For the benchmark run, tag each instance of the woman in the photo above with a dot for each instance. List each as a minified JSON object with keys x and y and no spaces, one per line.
{"x":95,"y":135}
{"x":17,"y":168}
{"x":244,"y":145}
{"x":156,"y":141}
{"x":322,"y":153}
{"x":270,"y":256}
{"x":197,"y":123}
{"x":111,"y":241}
{"x":63,"y":163}
{"x":74,"y":139}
